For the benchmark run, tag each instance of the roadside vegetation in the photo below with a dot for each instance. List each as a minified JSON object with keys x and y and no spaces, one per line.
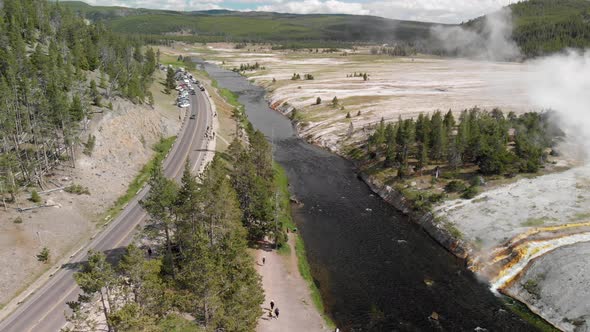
{"x":161,"y":149}
{"x":199,"y":265}
{"x":200,"y":231}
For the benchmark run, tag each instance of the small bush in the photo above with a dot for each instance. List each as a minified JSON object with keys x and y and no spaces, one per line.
{"x":35,"y":197}
{"x":477,"y":181}
{"x":77,"y":189}
{"x":335,"y":101}
{"x":43,"y":256}
{"x":532,"y":287}
{"x":18,"y":220}
{"x":318,"y":101}
{"x":348,"y":115}
{"x":455,"y":186}
{"x":470,"y":192}
{"x":89,"y":145}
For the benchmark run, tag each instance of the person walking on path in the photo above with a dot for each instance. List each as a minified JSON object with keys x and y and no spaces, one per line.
{"x":277,"y":312}
{"x":263,"y":260}
{"x":272,"y":304}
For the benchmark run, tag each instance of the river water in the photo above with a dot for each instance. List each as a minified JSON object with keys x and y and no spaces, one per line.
{"x":369,"y":261}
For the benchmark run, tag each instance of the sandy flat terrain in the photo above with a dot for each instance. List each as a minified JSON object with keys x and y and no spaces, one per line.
{"x":396,"y":86}
{"x":283,"y":285}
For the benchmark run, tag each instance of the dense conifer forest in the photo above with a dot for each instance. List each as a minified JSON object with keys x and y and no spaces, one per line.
{"x":55,"y":70}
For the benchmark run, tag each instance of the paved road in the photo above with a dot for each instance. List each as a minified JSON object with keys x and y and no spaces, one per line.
{"x":44,"y":310}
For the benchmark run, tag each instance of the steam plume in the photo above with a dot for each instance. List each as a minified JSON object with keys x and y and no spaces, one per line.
{"x":488,"y":40}
{"x":562,"y":83}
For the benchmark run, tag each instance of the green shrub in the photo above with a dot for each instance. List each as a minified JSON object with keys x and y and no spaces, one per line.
{"x":77,"y":189}
{"x":470,"y":192}
{"x":89,"y":145}
{"x":35,"y":197}
{"x":476,"y":181}
{"x":455,"y":186}
{"x":18,"y":220}
{"x":532,"y":287}
{"x":43,"y":256}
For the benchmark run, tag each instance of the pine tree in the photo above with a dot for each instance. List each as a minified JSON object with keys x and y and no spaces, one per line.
{"x":98,"y":276}
{"x":437,"y":137}
{"x":159,"y":204}
{"x":170,"y":81}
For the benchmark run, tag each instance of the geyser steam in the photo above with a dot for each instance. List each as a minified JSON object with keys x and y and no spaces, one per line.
{"x":489,"y":41}
{"x":562,"y":83}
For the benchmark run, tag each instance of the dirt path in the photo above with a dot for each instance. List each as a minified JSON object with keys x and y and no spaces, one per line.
{"x":283,"y":284}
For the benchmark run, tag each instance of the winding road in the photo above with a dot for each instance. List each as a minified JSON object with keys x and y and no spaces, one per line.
{"x":44,"y":309}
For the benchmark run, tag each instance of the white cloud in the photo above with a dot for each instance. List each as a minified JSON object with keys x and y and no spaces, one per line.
{"x":180,"y":5}
{"x":442,"y":11}
{"x":316,"y":7}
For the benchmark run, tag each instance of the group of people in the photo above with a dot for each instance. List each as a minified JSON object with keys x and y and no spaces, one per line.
{"x":276,"y":310}
{"x":210,"y":134}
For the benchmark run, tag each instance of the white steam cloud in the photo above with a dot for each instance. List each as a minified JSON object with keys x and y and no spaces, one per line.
{"x":492,"y":41}
{"x":562,"y":83}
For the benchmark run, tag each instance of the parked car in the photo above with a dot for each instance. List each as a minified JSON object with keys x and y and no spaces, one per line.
{"x":192,"y":92}
{"x":184,"y":104}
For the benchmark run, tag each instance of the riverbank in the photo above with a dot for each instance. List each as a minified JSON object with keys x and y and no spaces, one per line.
{"x":366,"y":260}
{"x":286,"y":276}
{"x":335,"y":124}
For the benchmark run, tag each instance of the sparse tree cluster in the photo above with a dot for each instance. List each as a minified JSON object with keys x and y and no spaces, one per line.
{"x":397,"y":50}
{"x":495,"y":143}
{"x":365,"y":76}
{"x":248,"y":67}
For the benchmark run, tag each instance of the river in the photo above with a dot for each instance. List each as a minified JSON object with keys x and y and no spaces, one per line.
{"x":372,"y":265}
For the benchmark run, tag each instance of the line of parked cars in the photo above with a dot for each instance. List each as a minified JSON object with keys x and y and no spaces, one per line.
{"x":184,"y":87}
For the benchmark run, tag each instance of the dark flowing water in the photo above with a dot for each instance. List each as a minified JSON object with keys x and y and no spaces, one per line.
{"x":369,"y":262}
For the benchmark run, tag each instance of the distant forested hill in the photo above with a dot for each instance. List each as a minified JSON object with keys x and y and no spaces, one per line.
{"x":548,"y":26}
{"x":540,"y":26}
{"x":216,"y":25}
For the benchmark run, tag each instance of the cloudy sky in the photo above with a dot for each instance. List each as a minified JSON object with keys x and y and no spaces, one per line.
{"x":443,"y":11}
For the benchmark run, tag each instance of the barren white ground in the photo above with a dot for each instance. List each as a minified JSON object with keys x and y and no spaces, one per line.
{"x":396,"y":86}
